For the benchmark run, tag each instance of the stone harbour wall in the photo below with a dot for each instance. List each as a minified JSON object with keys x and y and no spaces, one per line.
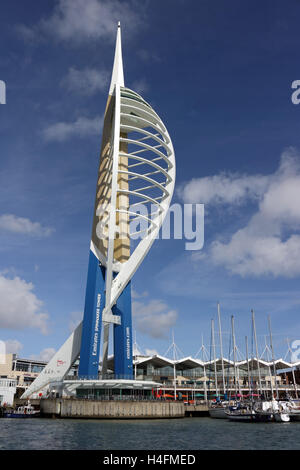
{"x":76,"y":408}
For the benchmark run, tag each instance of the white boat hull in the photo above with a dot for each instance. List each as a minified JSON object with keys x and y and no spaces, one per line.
{"x":282,"y":417}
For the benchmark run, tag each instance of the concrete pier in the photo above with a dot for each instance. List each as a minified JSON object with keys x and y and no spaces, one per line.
{"x":196,"y":410}
{"x":76,"y":408}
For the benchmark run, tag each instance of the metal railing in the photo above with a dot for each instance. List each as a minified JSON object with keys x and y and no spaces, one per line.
{"x":106,"y":377}
{"x":131,"y":398}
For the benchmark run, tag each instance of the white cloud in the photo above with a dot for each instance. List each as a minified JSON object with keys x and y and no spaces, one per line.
{"x":82,"y":127}
{"x":45,"y":355}
{"x":138,"y":295}
{"x":19,"y":306}
{"x":75,"y":319}
{"x":13,"y":346}
{"x":153,"y":318}
{"x":84,"y":20}
{"x":224,"y":188}
{"x":250,"y":255}
{"x":270,"y":243}
{"x":87,"y":81}
{"x":24,"y":226}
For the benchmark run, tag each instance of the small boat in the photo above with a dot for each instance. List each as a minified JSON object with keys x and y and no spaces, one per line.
{"x":264,"y":410}
{"x":273,"y":410}
{"x":241,"y":415}
{"x":242,"y":412}
{"x":26,"y":411}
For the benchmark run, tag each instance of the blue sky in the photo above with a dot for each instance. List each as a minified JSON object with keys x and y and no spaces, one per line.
{"x":219,"y":74}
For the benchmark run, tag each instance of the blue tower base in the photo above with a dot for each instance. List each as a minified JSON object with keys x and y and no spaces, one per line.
{"x":123,"y":336}
{"x":92,"y":319}
{"x":92,"y":322}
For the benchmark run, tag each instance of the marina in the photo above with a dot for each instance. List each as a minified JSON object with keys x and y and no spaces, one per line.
{"x":250,"y":389}
{"x":157,"y":202}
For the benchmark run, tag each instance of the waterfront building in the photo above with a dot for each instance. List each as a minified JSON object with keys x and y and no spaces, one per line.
{"x":204,"y":379}
{"x":154,"y":376}
{"x":188,"y":379}
{"x":18,"y":374}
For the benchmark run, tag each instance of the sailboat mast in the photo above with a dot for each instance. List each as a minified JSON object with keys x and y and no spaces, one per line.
{"x":135,"y":354}
{"x":273,"y":356}
{"x":234,"y":355}
{"x":256,"y":348}
{"x":214,"y":353}
{"x":204,"y":370}
{"x":270,"y":373}
{"x":221,"y":347}
{"x":174,"y":367}
{"x":248,"y":368}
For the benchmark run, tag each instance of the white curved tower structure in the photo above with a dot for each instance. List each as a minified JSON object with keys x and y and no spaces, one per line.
{"x":135,"y":185}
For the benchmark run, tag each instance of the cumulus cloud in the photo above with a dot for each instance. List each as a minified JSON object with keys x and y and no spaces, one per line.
{"x":19,"y":307}
{"x":154,"y":317}
{"x":249,"y":255}
{"x":13,"y":346}
{"x":138,"y":295}
{"x":84,"y":20}
{"x":45,"y":355}
{"x":82,"y":127}
{"x":269,"y":244}
{"x":86,"y":81}
{"x":21,"y":225}
{"x":224,"y":188}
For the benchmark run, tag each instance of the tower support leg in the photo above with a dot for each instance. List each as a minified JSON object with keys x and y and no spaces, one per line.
{"x":123,"y":336}
{"x":92,"y":319}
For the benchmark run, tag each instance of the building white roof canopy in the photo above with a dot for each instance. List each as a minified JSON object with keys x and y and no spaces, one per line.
{"x":191,"y":363}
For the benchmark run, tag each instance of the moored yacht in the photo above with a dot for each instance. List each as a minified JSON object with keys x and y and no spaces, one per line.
{"x":27,"y":411}
{"x":241,"y":412}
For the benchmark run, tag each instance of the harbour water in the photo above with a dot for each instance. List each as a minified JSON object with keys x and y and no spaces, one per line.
{"x":161,"y":434}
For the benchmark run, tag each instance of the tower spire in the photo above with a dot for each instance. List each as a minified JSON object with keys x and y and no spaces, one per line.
{"x":117,"y":73}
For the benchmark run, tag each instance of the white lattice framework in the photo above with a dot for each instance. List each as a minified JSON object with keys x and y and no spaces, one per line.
{"x":151,"y":177}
